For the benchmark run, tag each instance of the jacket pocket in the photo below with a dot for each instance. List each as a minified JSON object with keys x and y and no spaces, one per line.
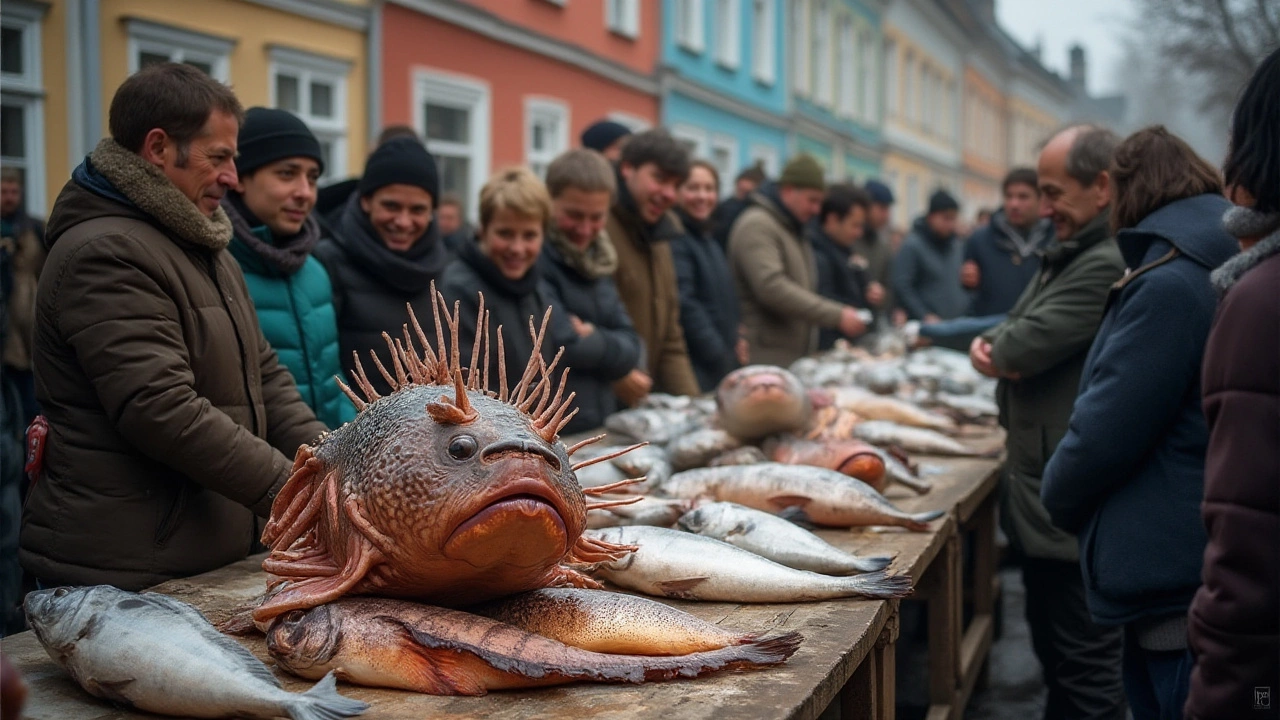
{"x":169,"y":521}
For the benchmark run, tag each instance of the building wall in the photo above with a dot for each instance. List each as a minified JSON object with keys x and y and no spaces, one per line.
{"x":704,"y":67}
{"x":583,"y":24}
{"x":711,"y":126}
{"x":985,"y":141}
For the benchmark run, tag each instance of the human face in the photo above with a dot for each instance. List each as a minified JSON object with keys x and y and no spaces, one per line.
{"x":399,"y":214}
{"x":943,"y":224}
{"x":209,"y":169}
{"x":653,"y":190}
{"x":804,"y":203}
{"x":698,"y":193}
{"x":282,"y":194}
{"x":847,"y":230}
{"x":613,"y":153}
{"x":512,"y":241}
{"x":879,"y":216}
{"x":1062,"y":198}
{"x":1021,"y":204}
{"x":448,"y":218}
{"x":743,"y":188}
{"x":10,"y":197}
{"x":580,"y":215}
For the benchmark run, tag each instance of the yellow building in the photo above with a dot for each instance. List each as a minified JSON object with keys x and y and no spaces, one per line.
{"x":985,"y":148}
{"x":64,"y":59}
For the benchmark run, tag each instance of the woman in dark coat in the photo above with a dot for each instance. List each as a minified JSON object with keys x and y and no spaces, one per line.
{"x":708,"y":304}
{"x":1234,"y":625}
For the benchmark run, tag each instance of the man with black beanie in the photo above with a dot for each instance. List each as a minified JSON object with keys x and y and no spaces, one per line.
{"x":385,"y":250}
{"x":607,"y":138}
{"x":926,"y":271}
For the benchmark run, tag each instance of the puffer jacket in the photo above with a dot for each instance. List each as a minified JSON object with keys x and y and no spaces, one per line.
{"x":708,"y":303}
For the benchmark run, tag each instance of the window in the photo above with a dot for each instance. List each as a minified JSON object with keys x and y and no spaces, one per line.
{"x":870,"y":106}
{"x":908,"y":88}
{"x":767,"y":156}
{"x":315,"y":89}
{"x":727,"y":21}
{"x":688,"y":19}
{"x":692,"y":139}
{"x":546,"y":132}
{"x":150,"y":44}
{"x":800,"y":43}
{"x":913,"y":197}
{"x":927,"y":98}
{"x":822,"y":53}
{"x":762,"y":57}
{"x":623,"y":17}
{"x":891,"y":77}
{"x":846,"y":70}
{"x":722,"y":151}
{"x":22,"y":102}
{"x":453,"y":115}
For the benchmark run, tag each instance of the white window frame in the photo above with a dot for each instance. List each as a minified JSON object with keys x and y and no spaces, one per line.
{"x":695,"y":136}
{"x":26,"y":90}
{"x":772,"y":161}
{"x":463,"y":93}
{"x":308,"y":68}
{"x":691,"y":32}
{"x":892,"y":75}
{"x":869,"y":105}
{"x":728,"y":23}
{"x":763,"y":41}
{"x":800,"y":47}
{"x":823,"y":70}
{"x":180,"y":45}
{"x":27,"y":20}
{"x":33,"y":190}
{"x":542,"y":108}
{"x":847,"y":69}
{"x":622,"y":17}
{"x":728,"y":170}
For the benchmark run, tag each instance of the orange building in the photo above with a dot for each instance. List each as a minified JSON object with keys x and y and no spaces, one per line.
{"x":497,"y":82}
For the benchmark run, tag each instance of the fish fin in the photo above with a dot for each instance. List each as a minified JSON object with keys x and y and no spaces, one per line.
{"x":245,"y":659}
{"x":112,"y":690}
{"x":785,"y":501}
{"x":873,"y":564}
{"x":681,"y":588}
{"x":919,"y":521}
{"x":313,"y":591}
{"x":882,"y":585}
{"x":797,"y":516}
{"x":322,"y":702}
{"x":436,"y":666}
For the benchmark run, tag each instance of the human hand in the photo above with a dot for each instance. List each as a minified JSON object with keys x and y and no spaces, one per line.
{"x":583,"y":329}
{"x":970,"y":276}
{"x":930,"y":319}
{"x":632,"y":387}
{"x":875,"y":293}
{"x":743,"y":351}
{"x":850,"y":324}
{"x":980,"y":357}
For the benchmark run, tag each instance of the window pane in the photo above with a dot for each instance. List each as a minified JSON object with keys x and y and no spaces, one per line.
{"x":147,"y":59}
{"x":446,"y":123}
{"x":204,"y":67}
{"x":13,"y":135}
{"x":321,"y":100}
{"x":11,"y":50}
{"x":326,"y":154}
{"x":539,"y":136}
{"x":287,"y":93}
{"x":455,"y":177}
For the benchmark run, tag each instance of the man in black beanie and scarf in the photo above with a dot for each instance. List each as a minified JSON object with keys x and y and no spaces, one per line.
{"x":385,"y":251}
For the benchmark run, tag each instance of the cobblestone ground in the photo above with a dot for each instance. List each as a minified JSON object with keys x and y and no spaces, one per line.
{"x":1015,"y":690}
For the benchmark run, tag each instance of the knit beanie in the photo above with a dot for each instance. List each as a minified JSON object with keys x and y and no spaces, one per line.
{"x":879,"y":192}
{"x":941,"y":201}
{"x":600,"y":135}
{"x":803,"y":171}
{"x":402,"y":161}
{"x":268,"y":135}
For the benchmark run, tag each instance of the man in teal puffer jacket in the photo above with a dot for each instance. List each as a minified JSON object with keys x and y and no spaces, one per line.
{"x":275,"y":232}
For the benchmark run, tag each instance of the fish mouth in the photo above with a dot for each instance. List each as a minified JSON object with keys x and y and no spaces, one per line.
{"x":520,"y":523}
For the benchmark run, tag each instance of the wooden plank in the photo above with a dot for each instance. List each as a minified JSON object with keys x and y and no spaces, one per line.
{"x":983,"y":526}
{"x":885,"y":658}
{"x":858,"y":699}
{"x":940,"y":590}
{"x":973,"y":654}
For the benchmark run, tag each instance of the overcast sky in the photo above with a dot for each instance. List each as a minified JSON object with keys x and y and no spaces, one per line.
{"x":1098,"y":25}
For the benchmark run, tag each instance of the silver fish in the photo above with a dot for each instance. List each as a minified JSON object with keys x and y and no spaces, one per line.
{"x":660,"y":512}
{"x":671,"y":563}
{"x":747,"y":455}
{"x":897,"y":471}
{"x":656,"y":426}
{"x":911,"y":439}
{"x":771,"y":537}
{"x":158,"y":654}
{"x":700,"y":447}
{"x":881,"y":377}
{"x":971,"y":406}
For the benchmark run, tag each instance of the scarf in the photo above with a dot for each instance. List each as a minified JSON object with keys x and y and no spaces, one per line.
{"x":409,"y":272}
{"x":286,"y":255}
{"x":1244,"y":222}
{"x":489,"y":272}
{"x":596,"y":261}
{"x":1011,"y":239}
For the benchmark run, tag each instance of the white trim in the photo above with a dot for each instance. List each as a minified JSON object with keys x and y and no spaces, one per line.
{"x":847,"y":69}
{"x":728,"y":169}
{"x":868,"y":104}
{"x":892,"y":77}
{"x":561,"y":3}
{"x":763,"y":42}
{"x":727,"y":20}
{"x":769,"y":154}
{"x":26,"y":19}
{"x":690,"y":30}
{"x":33,"y":150}
{"x":800,"y":47}
{"x":636,"y":123}
{"x":622,"y":17}
{"x":821,"y":45}
{"x":310,"y":69}
{"x":180,"y":45}
{"x":352,"y":17}
{"x":463,"y":93}
{"x":542,"y":109}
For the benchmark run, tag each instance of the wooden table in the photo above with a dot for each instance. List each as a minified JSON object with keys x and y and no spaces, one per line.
{"x":847,"y":655}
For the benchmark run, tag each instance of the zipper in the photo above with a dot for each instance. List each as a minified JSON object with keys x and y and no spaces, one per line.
{"x":212,"y":267}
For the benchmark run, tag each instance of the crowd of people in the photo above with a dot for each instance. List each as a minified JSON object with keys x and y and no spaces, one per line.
{"x":172,"y":337}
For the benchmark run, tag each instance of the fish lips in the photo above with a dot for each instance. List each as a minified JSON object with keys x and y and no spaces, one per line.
{"x":521,"y":523}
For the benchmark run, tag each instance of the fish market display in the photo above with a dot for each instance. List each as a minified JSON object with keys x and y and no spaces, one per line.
{"x":609,"y":622}
{"x":444,"y":491}
{"x":896,"y":470}
{"x":642,"y":510}
{"x":158,"y":654}
{"x":700,"y":447}
{"x":747,"y":455}
{"x":381,"y":642}
{"x":772,"y":537}
{"x":760,"y":400}
{"x":974,"y":407}
{"x":825,"y":497}
{"x":913,"y":439}
{"x":648,"y":462}
{"x":870,"y":406}
{"x":651,"y":424}
{"x":850,"y":457}
{"x":671,"y":563}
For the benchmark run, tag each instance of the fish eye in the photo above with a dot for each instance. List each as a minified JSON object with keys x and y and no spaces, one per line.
{"x":61,"y":592}
{"x":463,"y":447}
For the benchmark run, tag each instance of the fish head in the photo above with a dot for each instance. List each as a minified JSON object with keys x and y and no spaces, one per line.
{"x":305,"y":642}
{"x":760,"y":400}
{"x":60,"y":616}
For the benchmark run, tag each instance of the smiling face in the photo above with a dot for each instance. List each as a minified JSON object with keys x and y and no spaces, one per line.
{"x":653,"y":190}
{"x":282,"y":194}
{"x":512,"y":241}
{"x":580,"y":215}
{"x":698,"y":194}
{"x":1063,"y":199}
{"x":399,"y":214}
{"x":205,"y":169}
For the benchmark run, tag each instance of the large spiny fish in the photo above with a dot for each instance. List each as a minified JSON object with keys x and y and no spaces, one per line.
{"x":444,"y":491}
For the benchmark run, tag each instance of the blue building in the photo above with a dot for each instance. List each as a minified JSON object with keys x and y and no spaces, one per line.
{"x":723,"y":82}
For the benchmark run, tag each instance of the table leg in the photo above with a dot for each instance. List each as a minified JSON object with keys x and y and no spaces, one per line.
{"x":943,"y":592}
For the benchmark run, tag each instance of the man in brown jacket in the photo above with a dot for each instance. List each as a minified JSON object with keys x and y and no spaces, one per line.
{"x":774,"y":271}
{"x":641,"y":226}
{"x":171,"y":423}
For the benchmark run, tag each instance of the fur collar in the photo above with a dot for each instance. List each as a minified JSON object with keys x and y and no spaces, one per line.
{"x":148,"y":189}
{"x":1243,"y":222}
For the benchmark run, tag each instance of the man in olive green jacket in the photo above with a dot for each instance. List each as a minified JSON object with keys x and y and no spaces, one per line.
{"x":1038,"y":353}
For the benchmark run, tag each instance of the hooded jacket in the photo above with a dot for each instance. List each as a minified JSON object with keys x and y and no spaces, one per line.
{"x":171,"y":421}
{"x":776,"y":279}
{"x":926,"y":274}
{"x":708,"y":303}
{"x":294,"y":301}
{"x":1006,"y":260}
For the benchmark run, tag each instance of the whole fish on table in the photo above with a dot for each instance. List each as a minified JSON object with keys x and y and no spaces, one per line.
{"x":700,"y":447}
{"x":895,"y":470}
{"x":825,"y":497}
{"x":772,"y":537}
{"x":850,"y":457}
{"x":675,"y":564}
{"x":912,"y":439}
{"x":400,"y":644}
{"x":650,"y":424}
{"x":643,"y":510}
{"x":746,"y":455}
{"x":158,"y":654}
{"x":880,"y":407}
{"x":609,"y":622}
{"x":761,"y":400}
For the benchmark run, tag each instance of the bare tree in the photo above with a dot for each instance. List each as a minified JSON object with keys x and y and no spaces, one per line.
{"x":1222,"y":41}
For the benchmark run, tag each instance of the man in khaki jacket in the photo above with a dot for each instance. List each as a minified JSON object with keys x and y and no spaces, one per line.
{"x":774,"y":272}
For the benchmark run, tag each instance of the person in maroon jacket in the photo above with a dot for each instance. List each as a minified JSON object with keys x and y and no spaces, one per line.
{"x":1234,"y":622}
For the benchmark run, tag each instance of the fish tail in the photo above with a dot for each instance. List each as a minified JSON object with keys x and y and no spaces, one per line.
{"x":882,"y":585}
{"x":918,"y":520}
{"x":322,"y":702}
{"x":770,"y":650}
{"x":872,"y":564}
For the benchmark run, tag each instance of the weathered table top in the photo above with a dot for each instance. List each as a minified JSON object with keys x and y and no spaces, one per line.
{"x":839,"y":634}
